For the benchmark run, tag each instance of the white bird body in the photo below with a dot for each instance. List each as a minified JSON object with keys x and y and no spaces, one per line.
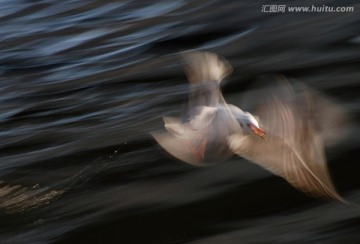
{"x":287,"y":140}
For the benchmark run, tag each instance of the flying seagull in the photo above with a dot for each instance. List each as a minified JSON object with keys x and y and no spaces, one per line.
{"x":288,"y":138}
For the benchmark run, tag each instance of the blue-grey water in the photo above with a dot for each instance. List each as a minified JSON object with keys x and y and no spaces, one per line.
{"x":82,"y":83}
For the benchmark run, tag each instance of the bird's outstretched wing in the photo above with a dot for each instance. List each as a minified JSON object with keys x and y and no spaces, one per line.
{"x":202,"y":67}
{"x":200,"y":141}
{"x":294,"y":148}
{"x":201,"y":136}
{"x":205,"y":71}
{"x":177,"y":147}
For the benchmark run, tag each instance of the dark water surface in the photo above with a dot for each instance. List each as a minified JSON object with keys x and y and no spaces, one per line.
{"x":84,"y":82}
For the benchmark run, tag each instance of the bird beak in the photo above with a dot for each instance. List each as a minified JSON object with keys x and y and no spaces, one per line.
{"x":257,"y":131}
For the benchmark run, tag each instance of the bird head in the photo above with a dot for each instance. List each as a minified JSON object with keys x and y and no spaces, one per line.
{"x":251,"y":125}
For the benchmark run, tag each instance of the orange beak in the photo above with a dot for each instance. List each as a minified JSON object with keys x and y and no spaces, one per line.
{"x":257,"y":131}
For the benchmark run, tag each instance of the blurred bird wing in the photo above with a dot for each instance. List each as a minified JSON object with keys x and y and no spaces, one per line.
{"x":330,"y":119}
{"x":207,"y":131}
{"x":204,"y":125}
{"x":182,"y":139}
{"x":205,"y":71}
{"x":174,"y":126}
{"x":203,"y":118}
{"x":203,"y":67}
{"x":293,"y":150}
{"x":177,"y":147}
{"x":307,"y":171}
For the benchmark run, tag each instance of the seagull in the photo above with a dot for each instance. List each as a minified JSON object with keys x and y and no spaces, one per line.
{"x":201,"y":135}
{"x":286,"y":137}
